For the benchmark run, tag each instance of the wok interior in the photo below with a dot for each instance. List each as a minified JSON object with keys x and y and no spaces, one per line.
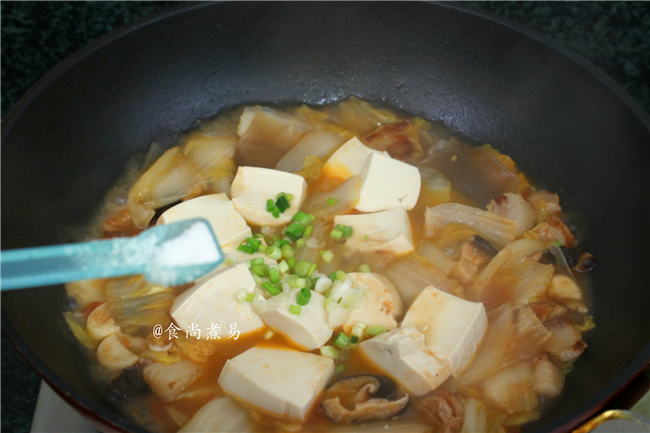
{"x":66,"y":144}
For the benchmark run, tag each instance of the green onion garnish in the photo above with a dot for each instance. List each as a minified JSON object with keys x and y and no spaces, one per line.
{"x":329,"y":352}
{"x":302,"y":269}
{"x":312,"y":217}
{"x":364,"y":268}
{"x":269,"y":205}
{"x":255,"y":243}
{"x":258,"y":279}
{"x":304,"y":296}
{"x":332,"y":201}
{"x":558,"y":243}
{"x":308,"y":230}
{"x":354,"y":340}
{"x":294,"y":230}
{"x":341,"y":276}
{"x":261,"y":249}
{"x":328,"y":256}
{"x":291,"y":262}
{"x":333,"y":276}
{"x":300,"y":243}
{"x":274,"y":275}
{"x":257,"y":261}
{"x":302,"y":218}
{"x":246,"y":249}
{"x":375,"y":330}
{"x":283,"y":267}
{"x":336,"y":234}
{"x":312,"y":269}
{"x":340,"y":368}
{"x":342,"y":340}
{"x":294,"y":309}
{"x":282,"y":203}
{"x":273,"y":252}
{"x":250,"y":297}
{"x":287,"y":251}
{"x":258,"y":236}
{"x":272,"y":289}
{"x":259,"y":270}
{"x":347,"y":230}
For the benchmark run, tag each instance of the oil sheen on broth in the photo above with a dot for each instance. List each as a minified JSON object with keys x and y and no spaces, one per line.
{"x":380,"y":271}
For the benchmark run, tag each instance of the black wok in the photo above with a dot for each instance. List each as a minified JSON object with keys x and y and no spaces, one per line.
{"x":567,"y":125}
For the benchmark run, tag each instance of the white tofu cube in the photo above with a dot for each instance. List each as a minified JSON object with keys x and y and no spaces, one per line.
{"x":387,"y":231}
{"x":309,"y":329}
{"x":388,"y":183}
{"x":253,"y":186}
{"x":452,"y":326}
{"x":213,"y":300}
{"x":403,"y":355}
{"x":383,"y":303}
{"x":348,"y":160}
{"x":282,"y":382}
{"x":223,"y":415}
{"x":227,"y":224}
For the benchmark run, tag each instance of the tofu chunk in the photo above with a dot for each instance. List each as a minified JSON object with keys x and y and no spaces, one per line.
{"x":388,"y":183}
{"x":348,"y":160}
{"x":403,"y":355}
{"x":383,"y":303}
{"x":387,"y":231}
{"x":213,"y":299}
{"x":227,"y":224}
{"x":221,"y":414}
{"x":253,"y":186}
{"x":309,"y":329}
{"x":277,"y":381}
{"x":452,"y":326}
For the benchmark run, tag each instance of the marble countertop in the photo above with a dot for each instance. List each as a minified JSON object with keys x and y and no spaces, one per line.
{"x":614,"y":36}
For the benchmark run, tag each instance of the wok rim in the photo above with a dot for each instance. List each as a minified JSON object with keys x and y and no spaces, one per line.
{"x":90,"y":409}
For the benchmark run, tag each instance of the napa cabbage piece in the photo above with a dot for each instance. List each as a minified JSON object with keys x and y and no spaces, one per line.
{"x":473,"y":171}
{"x":135,"y":303}
{"x":171,"y":178}
{"x":531,"y":281}
{"x":512,"y":389}
{"x":435,"y":186}
{"x":480,"y":418}
{"x":266,"y":136}
{"x":496,"y":229}
{"x":319,"y":143}
{"x":413,"y":273}
{"x":435,"y":255}
{"x":359,"y":117}
{"x":346,"y":196}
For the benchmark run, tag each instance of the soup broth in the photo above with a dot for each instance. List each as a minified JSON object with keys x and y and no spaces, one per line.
{"x":411,"y":280}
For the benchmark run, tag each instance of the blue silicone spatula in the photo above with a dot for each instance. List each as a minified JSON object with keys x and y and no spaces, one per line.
{"x":169,"y":255}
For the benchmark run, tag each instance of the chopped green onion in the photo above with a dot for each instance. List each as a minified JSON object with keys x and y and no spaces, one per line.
{"x":241,"y":296}
{"x":302,"y":218}
{"x":333,"y":276}
{"x":269,"y":205}
{"x":250,"y":297}
{"x":248,"y":264}
{"x":341,"y":276}
{"x":366,"y":237}
{"x":357,"y":333}
{"x":272,"y":289}
{"x":329,"y":352}
{"x":291,"y":262}
{"x":312,"y":217}
{"x":287,"y":251}
{"x":294,"y":309}
{"x":328,"y":256}
{"x":558,"y":243}
{"x":312,"y":269}
{"x":290,"y":197}
{"x":375,"y":330}
{"x":304,"y":296}
{"x":257,"y":261}
{"x":336,"y":234}
{"x":364,"y":268}
{"x":273,"y":252}
{"x":282,"y":203}
{"x":294,"y":230}
{"x":347,"y":230}
{"x":274,"y":275}
{"x":342,"y":340}
{"x":258,"y":236}
{"x":300,"y":243}
{"x":283,"y":267}
{"x":282,"y":242}
{"x":246,"y":249}
{"x":308,"y":230}
{"x":259,"y":270}
{"x":258,"y":279}
{"x":340,"y":368}
{"x":332,"y":201}
{"x":296,"y":283}
{"x":229,"y":262}
{"x":255,"y":243}
{"x":302,"y":268}
{"x":354,"y":340}
{"x":261,"y":249}
{"x":276,"y":212}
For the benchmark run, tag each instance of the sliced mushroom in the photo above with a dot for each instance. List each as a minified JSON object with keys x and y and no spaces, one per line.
{"x":372,"y":397}
{"x":442,"y":405}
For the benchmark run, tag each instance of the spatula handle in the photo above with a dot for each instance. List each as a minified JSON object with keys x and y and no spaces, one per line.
{"x":43,"y":266}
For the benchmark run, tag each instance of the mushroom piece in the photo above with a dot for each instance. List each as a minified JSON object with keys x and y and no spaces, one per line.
{"x":372,"y":397}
